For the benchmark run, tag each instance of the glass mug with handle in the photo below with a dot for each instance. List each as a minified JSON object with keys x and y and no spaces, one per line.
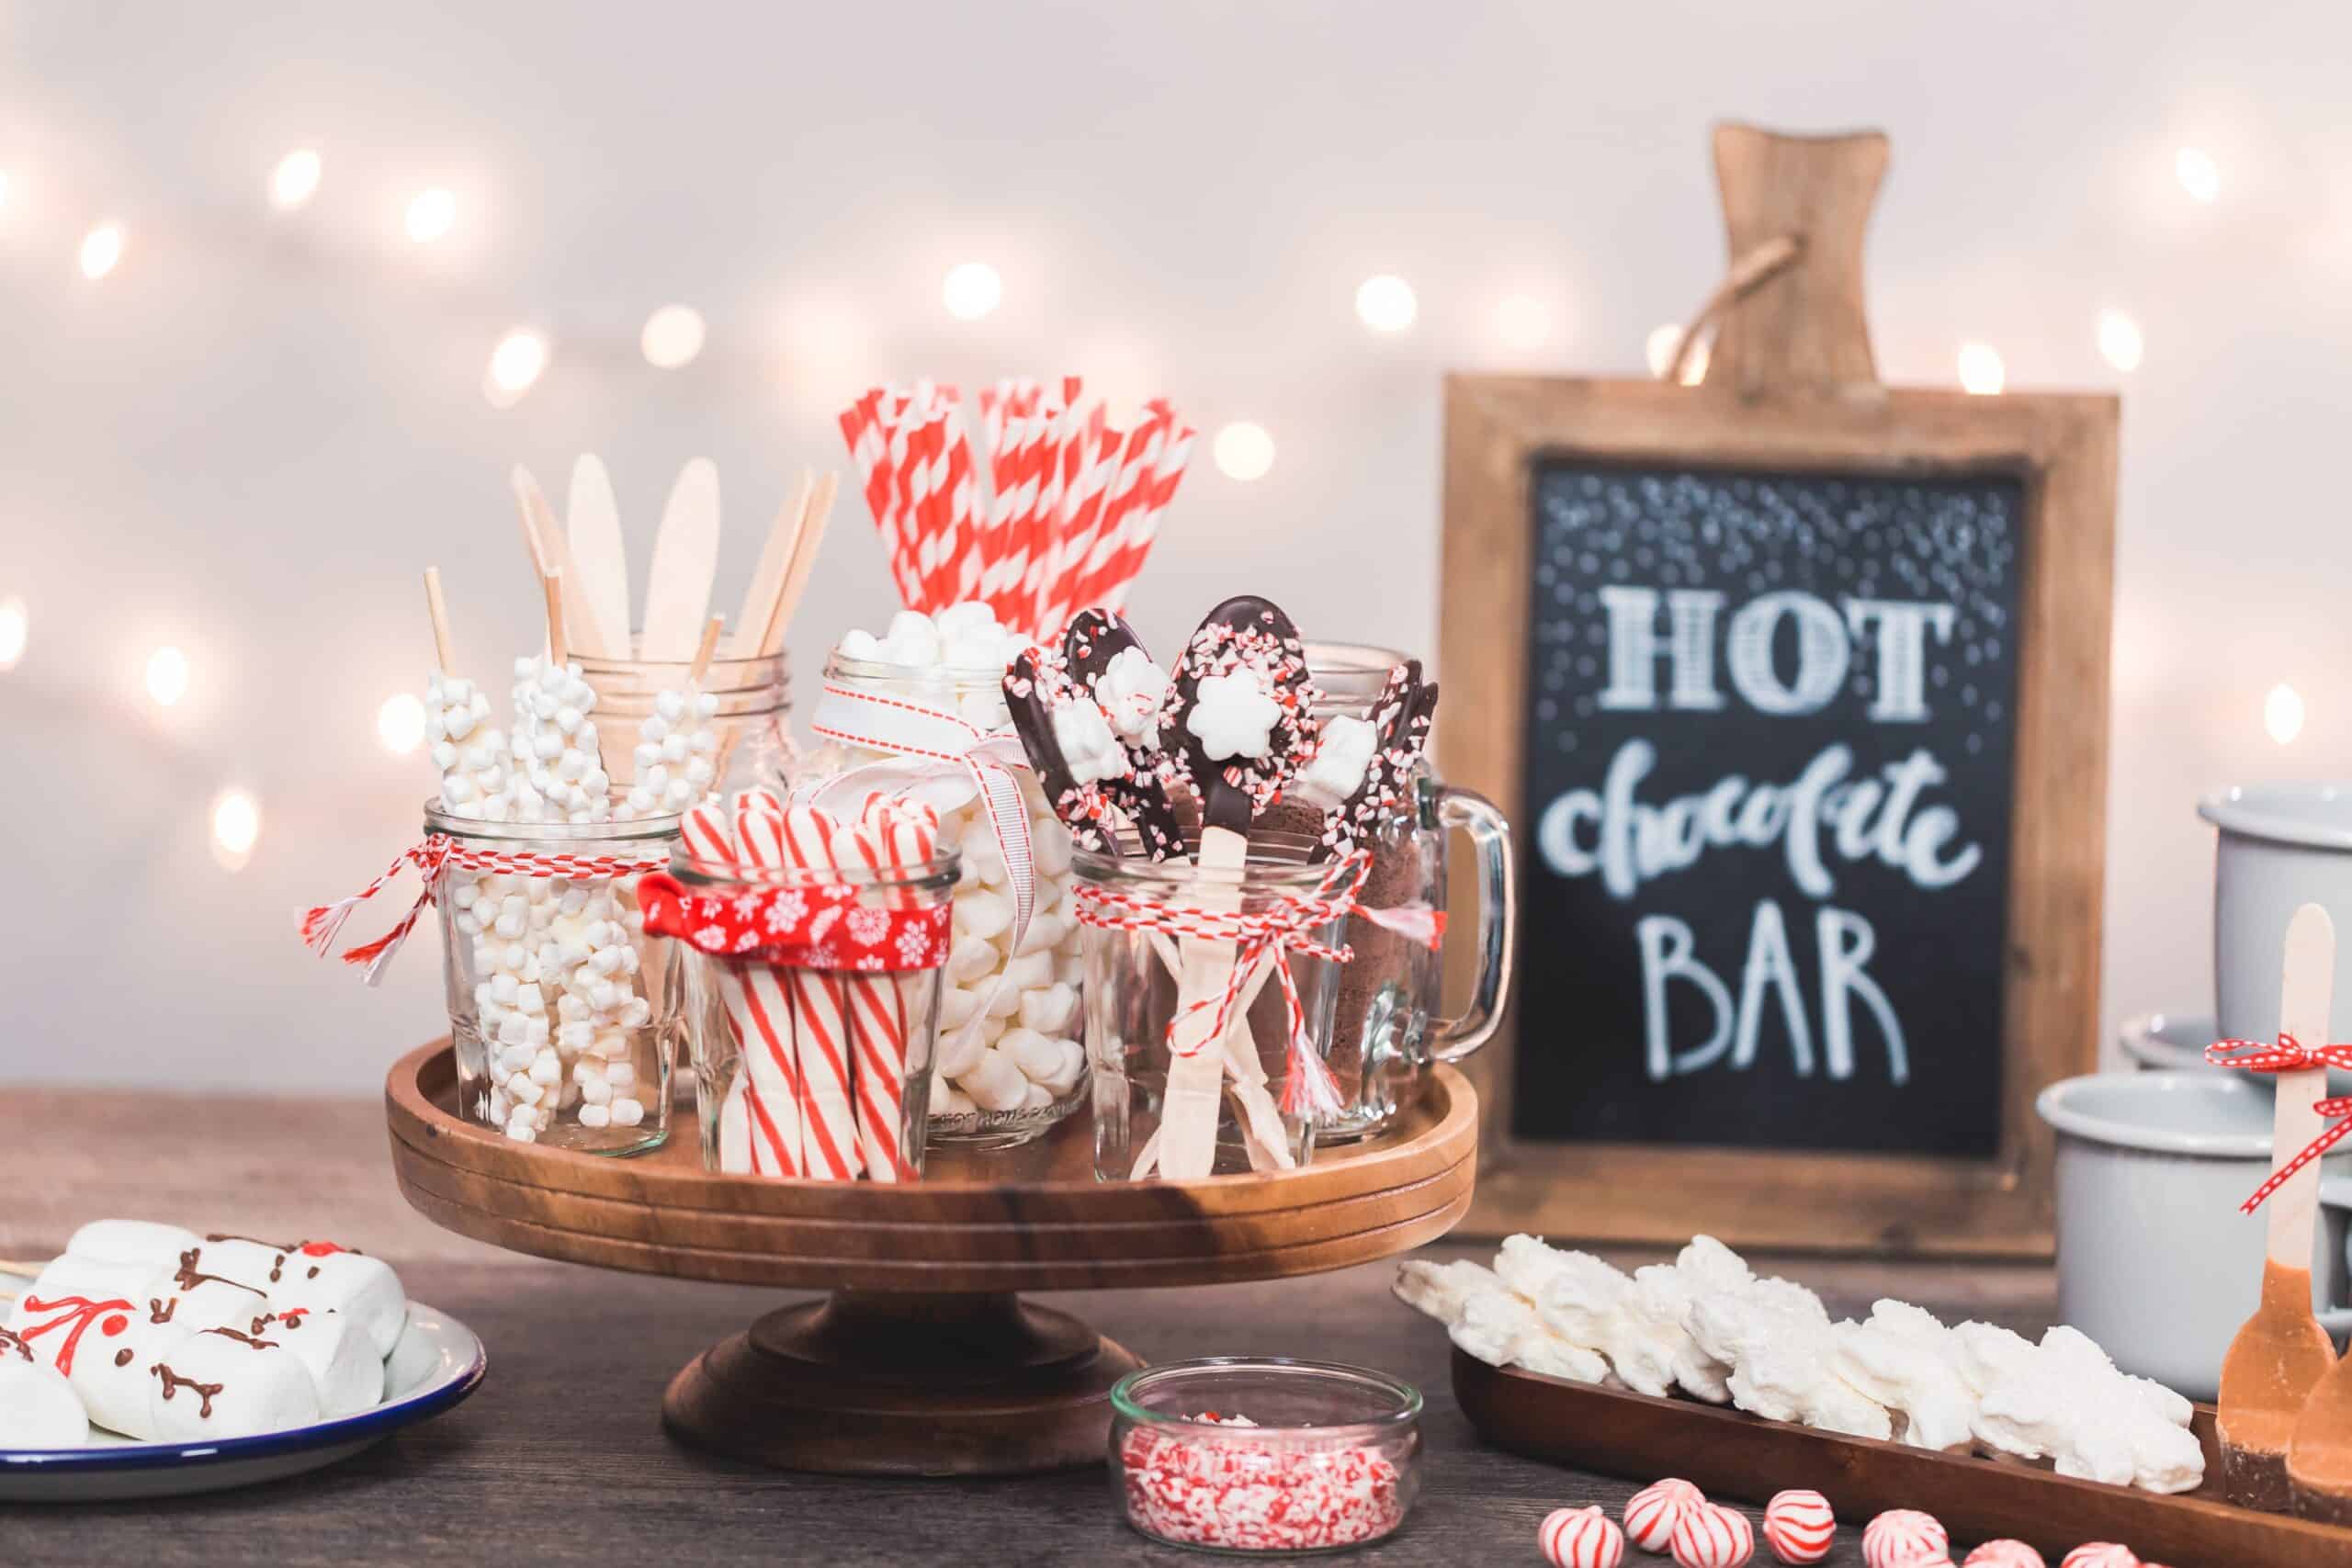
{"x":1388,"y":1026}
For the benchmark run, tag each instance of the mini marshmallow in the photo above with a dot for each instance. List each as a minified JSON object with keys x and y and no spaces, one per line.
{"x":1091,"y":751}
{"x":984,"y":914}
{"x":959,"y":1052}
{"x":1051,"y":1011}
{"x":1342,"y":756}
{"x":1045,"y":933}
{"x":996,"y":1082}
{"x":628,"y":1112}
{"x":597,"y":1111}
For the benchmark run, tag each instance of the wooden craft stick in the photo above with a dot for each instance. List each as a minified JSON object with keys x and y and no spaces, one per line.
{"x":767,"y":587}
{"x":710,"y":645}
{"x":552,"y":587}
{"x":686,"y":559}
{"x":804,"y":561}
{"x":596,"y":575}
{"x":443,"y":648}
{"x":550,"y":553}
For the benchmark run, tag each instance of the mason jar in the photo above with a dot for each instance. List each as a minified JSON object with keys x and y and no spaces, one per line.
{"x":1143,"y":976}
{"x":1010,"y":1062}
{"x":809,"y":1070}
{"x":563,"y":1013}
{"x":1388,"y":1024}
{"x":753,"y":721}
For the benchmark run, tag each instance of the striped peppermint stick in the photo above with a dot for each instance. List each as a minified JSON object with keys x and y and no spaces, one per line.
{"x":821,"y":1016}
{"x":781,"y":1073}
{"x":896,"y":837}
{"x":759,"y":1125}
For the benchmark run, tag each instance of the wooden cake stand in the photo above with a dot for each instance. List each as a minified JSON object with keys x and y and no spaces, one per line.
{"x":921,"y":1360}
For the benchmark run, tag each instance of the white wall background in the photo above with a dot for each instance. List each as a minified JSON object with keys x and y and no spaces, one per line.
{"x":249,"y":439}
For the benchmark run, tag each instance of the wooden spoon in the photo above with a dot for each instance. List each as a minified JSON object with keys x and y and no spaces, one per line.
{"x":597,"y":574}
{"x":686,"y":559}
{"x":2281,"y":1353}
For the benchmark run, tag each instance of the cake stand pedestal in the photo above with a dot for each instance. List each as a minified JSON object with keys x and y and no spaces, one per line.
{"x":922,"y":1359}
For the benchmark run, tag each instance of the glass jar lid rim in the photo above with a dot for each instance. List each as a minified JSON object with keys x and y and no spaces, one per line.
{"x":439,"y":818}
{"x":840,"y":664}
{"x":1206,"y":1370}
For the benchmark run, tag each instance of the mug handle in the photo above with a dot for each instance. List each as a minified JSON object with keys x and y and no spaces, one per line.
{"x":2335,"y":1229}
{"x":1454,"y":1038}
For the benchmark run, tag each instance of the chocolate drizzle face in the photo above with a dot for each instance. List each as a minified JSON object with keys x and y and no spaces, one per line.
{"x":122,"y":1357}
{"x":247,"y":1340}
{"x":9,"y":1342}
{"x":159,"y":1309}
{"x":189,"y":1277}
{"x":205,"y":1392}
{"x":1243,"y":633}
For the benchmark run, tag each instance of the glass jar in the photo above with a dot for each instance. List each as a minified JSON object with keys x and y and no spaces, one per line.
{"x":564,"y":1014}
{"x":1141,"y":977}
{"x":753,"y":721}
{"x":1009,"y":1064}
{"x":1388,"y":1025}
{"x":822,"y":1073}
{"x":1265,"y":1455}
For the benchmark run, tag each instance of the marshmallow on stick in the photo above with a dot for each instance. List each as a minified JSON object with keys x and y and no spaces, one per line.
{"x":38,"y":1409}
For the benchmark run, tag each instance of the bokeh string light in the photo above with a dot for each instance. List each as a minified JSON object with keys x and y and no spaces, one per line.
{"x":2197,"y":174}
{"x":971,"y":291}
{"x":2282,"y":712}
{"x":296,"y":179}
{"x":1981,"y":370}
{"x":236,"y":828}
{"x":2119,"y":341}
{"x":1386,"y":304}
{"x":167,"y":676}
{"x":672,"y":337}
{"x":400,"y":723}
{"x":15,"y":630}
{"x":1243,"y":451}
{"x":431,"y":215}
{"x":101,"y":251}
{"x":516,"y":365}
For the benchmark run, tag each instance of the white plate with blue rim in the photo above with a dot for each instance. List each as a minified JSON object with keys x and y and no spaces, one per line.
{"x":437,"y":1363}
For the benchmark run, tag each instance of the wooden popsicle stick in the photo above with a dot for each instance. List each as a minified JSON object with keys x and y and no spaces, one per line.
{"x":552,"y":587}
{"x":597,"y":573}
{"x":526,"y":487}
{"x":701,"y":666}
{"x":686,"y":559}
{"x":1196,"y":1064}
{"x":19,"y":1268}
{"x":2281,"y":1353}
{"x":766,"y":586}
{"x":444,"y":651}
{"x":803,"y":561}
{"x":550,"y":552}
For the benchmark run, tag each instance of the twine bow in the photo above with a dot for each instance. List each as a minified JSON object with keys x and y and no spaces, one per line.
{"x":2289,"y":1055}
{"x":1261,"y":936}
{"x":431,"y":858}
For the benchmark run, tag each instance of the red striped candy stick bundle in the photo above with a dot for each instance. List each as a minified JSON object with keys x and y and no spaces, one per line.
{"x":1580,"y":1538}
{"x":1799,"y":1527}
{"x":1070,"y":509}
{"x":824,"y":1071}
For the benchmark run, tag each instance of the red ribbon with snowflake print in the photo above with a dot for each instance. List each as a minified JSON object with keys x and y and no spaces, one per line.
{"x":819,"y":927}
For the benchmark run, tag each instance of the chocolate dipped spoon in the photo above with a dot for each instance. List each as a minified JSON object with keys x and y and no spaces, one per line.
{"x":1237,"y":713}
{"x":1046,"y":711}
{"x":2282,"y":1353}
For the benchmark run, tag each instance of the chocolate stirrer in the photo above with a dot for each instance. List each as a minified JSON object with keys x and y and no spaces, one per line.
{"x":1244,"y":669}
{"x":2281,"y":1353}
{"x":1093,"y":642}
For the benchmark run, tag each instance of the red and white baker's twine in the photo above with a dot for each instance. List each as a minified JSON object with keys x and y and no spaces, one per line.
{"x":2289,"y":1055}
{"x":1268,"y":935}
{"x":435,"y":854}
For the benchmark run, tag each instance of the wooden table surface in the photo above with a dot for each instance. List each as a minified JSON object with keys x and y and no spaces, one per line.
{"x":560,"y":1457}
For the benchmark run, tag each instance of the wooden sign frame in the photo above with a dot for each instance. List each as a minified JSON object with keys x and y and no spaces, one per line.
{"x":1780,"y":395}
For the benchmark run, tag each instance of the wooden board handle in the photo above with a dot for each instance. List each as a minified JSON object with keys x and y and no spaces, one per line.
{"x":1803,"y":327}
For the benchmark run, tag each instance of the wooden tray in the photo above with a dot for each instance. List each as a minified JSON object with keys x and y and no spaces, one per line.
{"x":1730,"y":1453}
{"x":922,"y":1359}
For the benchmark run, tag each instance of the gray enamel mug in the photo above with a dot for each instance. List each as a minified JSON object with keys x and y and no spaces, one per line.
{"x":2280,"y":846}
{"x":2155,"y":1260}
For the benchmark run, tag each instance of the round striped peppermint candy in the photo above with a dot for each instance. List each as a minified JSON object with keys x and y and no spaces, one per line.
{"x":1581,"y":1537}
{"x":1711,"y":1536}
{"x":1652,"y":1513}
{"x":2005,"y":1554}
{"x":1904,"y":1537}
{"x":1799,"y":1527}
{"x":2101,"y":1554}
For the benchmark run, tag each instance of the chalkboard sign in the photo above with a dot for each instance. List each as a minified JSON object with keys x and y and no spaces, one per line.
{"x":1769,"y":727}
{"x":1797,"y":704}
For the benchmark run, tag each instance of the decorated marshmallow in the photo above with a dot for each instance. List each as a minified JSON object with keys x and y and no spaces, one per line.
{"x":1089,"y":749}
{"x":2101,"y":1554}
{"x":1580,"y":1538}
{"x":38,"y":1409}
{"x":2005,"y":1554}
{"x":1903,"y":1535}
{"x":1652,"y":1513}
{"x":224,"y":1383}
{"x":1708,"y":1535}
{"x":1799,"y":1527}
{"x":1131,"y":688}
